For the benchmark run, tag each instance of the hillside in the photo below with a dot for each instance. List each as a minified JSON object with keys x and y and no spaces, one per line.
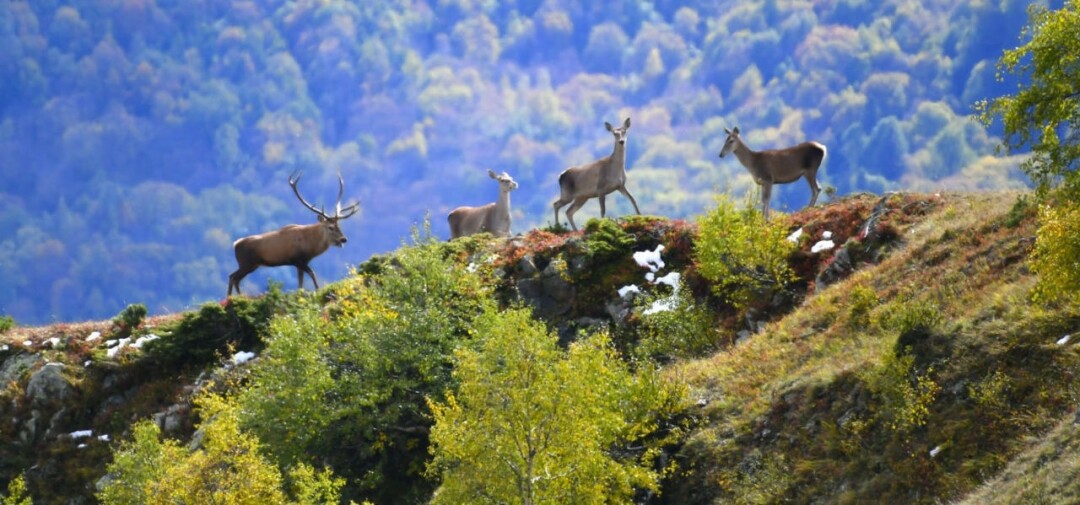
{"x":140,"y":138}
{"x":905,"y":364}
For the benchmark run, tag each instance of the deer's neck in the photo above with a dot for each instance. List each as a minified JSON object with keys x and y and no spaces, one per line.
{"x":502,"y":205}
{"x":750,"y":159}
{"x":618,"y":158}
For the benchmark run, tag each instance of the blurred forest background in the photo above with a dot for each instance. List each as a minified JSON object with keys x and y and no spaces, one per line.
{"x":139,"y":138}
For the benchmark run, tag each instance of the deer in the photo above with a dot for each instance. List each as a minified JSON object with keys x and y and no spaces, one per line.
{"x":777,"y":166}
{"x":293,"y":244}
{"x":595,"y":180}
{"x":493,"y":218}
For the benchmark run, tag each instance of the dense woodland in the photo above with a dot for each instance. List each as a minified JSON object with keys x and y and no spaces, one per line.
{"x":139,"y":138}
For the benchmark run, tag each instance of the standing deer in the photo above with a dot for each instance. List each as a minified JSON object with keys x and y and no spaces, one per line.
{"x":777,"y":166}
{"x":493,"y":218}
{"x":294,"y":244}
{"x":595,"y":180}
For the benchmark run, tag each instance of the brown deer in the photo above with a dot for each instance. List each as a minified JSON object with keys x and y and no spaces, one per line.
{"x":294,"y":244}
{"x":777,"y":166}
{"x":493,"y":218}
{"x":595,"y":180}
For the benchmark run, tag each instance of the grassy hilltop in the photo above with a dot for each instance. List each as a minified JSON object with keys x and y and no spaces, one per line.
{"x":907,"y":363}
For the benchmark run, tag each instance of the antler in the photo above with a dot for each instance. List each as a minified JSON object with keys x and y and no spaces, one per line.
{"x":293,"y":180}
{"x":351,"y":209}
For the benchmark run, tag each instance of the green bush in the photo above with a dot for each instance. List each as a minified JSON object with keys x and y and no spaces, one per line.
{"x":201,"y":337}
{"x":1057,"y":247}
{"x":6,"y":323}
{"x":130,"y":318}
{"x":861,"y":300}
{"x":905,"y":316}
{"x":905,"y":394}
{"x":687,"y":330}
{"x":604,"y":238}
{"x":742,"y":255}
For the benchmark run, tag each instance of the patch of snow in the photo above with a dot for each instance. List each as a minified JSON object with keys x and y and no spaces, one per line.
{"x":934,"y":452}
{"x":53,"y":342}
{"x":472,"y":267}
{"x":103,"y":438}
{"x":794,"y":237}
{"x":671,"y":279}
{"x":1064,"y":340}
{"x":651,"y":277}
{"x":144,"y":339}
{"x":242,"y":357}
{"x":660,"y":306}
{"x":27,"y":343}
{"x":650,"y":259}
{"x":826,"y":235}
{"x":81,"y":446}
{"x":81,"y":433}
{"x":824,"y":245}
{"x":630,"y":288}
{"x":93,"y":336}
{"x":120,"y":344}
{"x":3,"y":347}
{"x":86,"y":364}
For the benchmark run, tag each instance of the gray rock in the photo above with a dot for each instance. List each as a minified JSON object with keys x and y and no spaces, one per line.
{"x":838,"y":270}
{"x":12,"y":368}
{"x":526,"y":267}
{"x":48,"y":386}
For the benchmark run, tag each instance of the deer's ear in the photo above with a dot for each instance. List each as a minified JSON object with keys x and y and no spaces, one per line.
{"x":608,"y":126}
{"x":322,"y":218}
{"x":492,"y":174}
{"x":727,"y":131}
{"x":626,"y":124}
{"x":736,"y":130}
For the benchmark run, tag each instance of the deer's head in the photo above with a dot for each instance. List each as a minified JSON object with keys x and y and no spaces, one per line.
{"x":506,"y":183}
{"x":331,"y":229}
{"x":730,"y":142}
{"x":619,"y":133}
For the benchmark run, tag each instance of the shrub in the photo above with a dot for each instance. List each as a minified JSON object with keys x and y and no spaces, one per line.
{"x":1057,"y":246}
{"x":16,"y":493}
{"x":686,"y":330}
{"x":741,"y":254}
{"x":6,"y":323}
{"x":861,"y":300}
{"x":604,"y":238}
{"x":905,"y":394}
{"x":130,"y":318}
{"x":201,"y":337}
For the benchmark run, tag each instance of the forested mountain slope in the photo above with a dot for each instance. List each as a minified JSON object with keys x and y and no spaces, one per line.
{"x":897,"y":357}
{"x":139,"y":138}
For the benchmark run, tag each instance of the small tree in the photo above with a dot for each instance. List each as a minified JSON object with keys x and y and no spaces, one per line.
{"x":1045,"y":115}
{"x":532,"y":423}
{"x":1047,"y":108}
{"x":741,"y":253}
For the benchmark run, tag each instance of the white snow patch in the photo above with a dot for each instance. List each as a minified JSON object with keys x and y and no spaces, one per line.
{"x":103,"y":438}
{"x":660,"y":306}
{"x":934,"y":452}
{"x":671,"y":279}
{"x":120,"y":344}
{"x":650,"y":259}
{"x":27,"y":343}
{"x":1064,"y":340}
{"x":794,"y":237}
{"x":53,"y":342}
{"x":242,"y":357}
{"x":144,"y":339}
{"x":626,"y":290}
{"x":826,"y":235}
{"x":824,"y":245}
{"x":86,"y":364}
{"x":93,"y":336}
{"x":472,"y":267}
{"x":81,"y":433}
{"x":81,"y":446}
{"x":3,"y":347}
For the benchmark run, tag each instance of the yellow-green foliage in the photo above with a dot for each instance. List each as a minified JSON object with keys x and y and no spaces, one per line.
{"x":741,"y":253}
{"x":687,"y":330}
{"x":226,"y":468}
{"x":17,"y":493}
{"x":861,"y":300}
{"x":905,"y":394}
{"x":533,"y":423}
{"x":1056,"y":258}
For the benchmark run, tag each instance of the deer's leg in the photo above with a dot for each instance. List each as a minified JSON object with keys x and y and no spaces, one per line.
{"x":558,"y":205}
{"x":815,"y":188}
{"x":311,"y":273}
{"x":236,"y":277}
{"x":766,"y":195}
{"x":626,"y":193}
{"x":602,"y":199}
{"x":574,"y":208}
